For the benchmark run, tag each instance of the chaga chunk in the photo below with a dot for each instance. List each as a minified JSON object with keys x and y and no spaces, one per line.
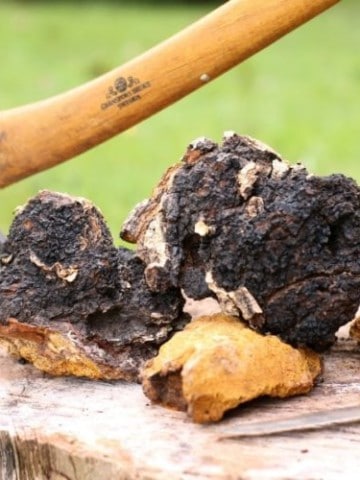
{"x":275,"y":245}
{"x":58,"y":262}
{"x":71,"y":302}
{"x":217,"y":363}
{"x":134,"y":331}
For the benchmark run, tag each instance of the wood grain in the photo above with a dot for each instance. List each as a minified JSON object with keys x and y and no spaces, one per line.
{"x":41,"y":135}
{"x":71,"y":429}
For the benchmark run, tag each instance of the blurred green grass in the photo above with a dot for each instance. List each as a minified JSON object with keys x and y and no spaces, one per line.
{"x":301,"y":95}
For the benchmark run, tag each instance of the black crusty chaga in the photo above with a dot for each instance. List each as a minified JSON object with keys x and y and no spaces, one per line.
{"x":274,"y":244}
{"x":58,"y":262}
{"x":133,"y":332}
{"x":60,"y":269}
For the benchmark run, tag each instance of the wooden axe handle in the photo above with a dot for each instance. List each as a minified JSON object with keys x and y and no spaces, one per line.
{"x":40,"y":135}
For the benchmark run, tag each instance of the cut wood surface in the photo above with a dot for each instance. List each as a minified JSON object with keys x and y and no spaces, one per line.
{"x":74,"y":429}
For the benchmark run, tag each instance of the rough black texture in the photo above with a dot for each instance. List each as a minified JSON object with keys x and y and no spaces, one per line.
{"x":143,"y":321}
{"x":58,"y":262}
{"x":275,"y":244}
{"x":59,"y":269}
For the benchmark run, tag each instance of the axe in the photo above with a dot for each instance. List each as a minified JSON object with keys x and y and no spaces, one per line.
{"x":40,"y":135}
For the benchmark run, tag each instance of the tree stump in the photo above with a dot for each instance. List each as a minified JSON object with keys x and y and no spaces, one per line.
{"x":75,"y":429}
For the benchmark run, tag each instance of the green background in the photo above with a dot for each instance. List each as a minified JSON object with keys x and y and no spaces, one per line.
{"x":301,"y":95}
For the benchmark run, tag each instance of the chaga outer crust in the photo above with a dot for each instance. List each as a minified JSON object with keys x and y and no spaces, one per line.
{"x":64,"y":283}
{"x":134,"y":331}
{"x":58,"y":261}
{"x":275,"y":245}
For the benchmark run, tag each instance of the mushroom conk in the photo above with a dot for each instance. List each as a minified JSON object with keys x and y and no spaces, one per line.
{"x":71,"y":302}
{"x":276,"y":246}
{"x":217,"y":363}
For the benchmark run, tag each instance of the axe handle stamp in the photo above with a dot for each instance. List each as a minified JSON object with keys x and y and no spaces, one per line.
{"x":38,"y":136}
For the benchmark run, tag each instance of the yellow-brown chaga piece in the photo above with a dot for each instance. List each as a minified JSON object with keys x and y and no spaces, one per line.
{"x":57,"y":353}
{"x":217,"y":363}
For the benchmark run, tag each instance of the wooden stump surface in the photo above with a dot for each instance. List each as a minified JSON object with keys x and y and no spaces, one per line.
{"x":75,"y":429}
